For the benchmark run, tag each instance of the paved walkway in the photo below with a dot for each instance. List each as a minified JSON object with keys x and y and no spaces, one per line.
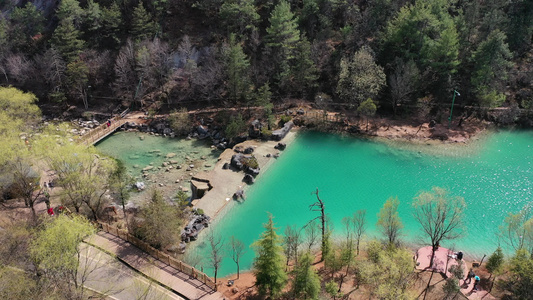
{"x":177,"y":281}
{"x":442,"y":261}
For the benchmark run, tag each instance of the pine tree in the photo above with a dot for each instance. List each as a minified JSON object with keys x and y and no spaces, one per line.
{"x":142,"y":26}
{"x":111,"y":24}
{"x":282,"y":37}
{"x":237,"y":70}
{"x":66,"y":40}
{"x":239,"y":16}
{"x":492,"y":63}
{"x":306,"y":283}
{"x":269,"y":263}
{"x":70,"y":9}
{"x":92,"y":21}
{"x":305,"y":73}
{"x":26,"y":22}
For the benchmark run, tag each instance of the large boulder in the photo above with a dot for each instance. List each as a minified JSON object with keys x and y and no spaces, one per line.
{"x":236,"y":161}
{"x":248,"y":179}
{"x":201,"y":130}
{"x":279,"y":134}
{"x":281,"y":146}
{"x":249,"y":150}
{"x":252,"y":171}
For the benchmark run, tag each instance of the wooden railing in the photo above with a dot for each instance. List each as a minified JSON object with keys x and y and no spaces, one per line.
{"x":161,"y":256}
{"x":101,"y":131}
{"x":321,"y":117}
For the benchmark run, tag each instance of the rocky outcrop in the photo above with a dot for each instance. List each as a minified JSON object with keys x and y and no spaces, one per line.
{"x":280,"y":146}
{"x":279,"y":134}
{"x":193,"y":228}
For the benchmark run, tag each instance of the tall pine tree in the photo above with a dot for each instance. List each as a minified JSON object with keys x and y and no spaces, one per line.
{"x":282,"y":37}
{"x":306,"y":283}
{"x":237,"y":68}
{"x":66,"y":40}
{"x":269,"y":267}
{"x":142,"y":26}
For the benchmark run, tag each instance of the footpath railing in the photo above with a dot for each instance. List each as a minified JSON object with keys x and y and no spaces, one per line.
{"x":322,"y":117}
{"x":101,"y":131}
{"x":163,"y":257}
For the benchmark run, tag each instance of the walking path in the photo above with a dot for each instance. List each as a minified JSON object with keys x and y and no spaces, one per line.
{"x":180,"y":283}
{"x":442,"y":263}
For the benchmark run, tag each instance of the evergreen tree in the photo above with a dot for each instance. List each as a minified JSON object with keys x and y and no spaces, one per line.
{"x":66,"y":40}
{"x":237,"y":70}
{"x":306,"y":283}
{"x":240,"y":16}
{"x":26,"y":22}
{"x":111,"y":24}
{"x":282,"y":37}
{"x":492,"y":63}
{"x":520,"y":29}
{"x":367,"y":108}
{"x":425,"y":32}
{"x":70,"y":9}
{"x":495,"y":263}
{"x":142,"y":25}
{"x":304,"y":70}
{"x":269,"y":263}
{"x":520,"y":282}
{"x":92,"y":22}
{"x":263,"y":98}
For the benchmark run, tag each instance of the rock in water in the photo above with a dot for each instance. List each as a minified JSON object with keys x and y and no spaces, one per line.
{"x":249,"y":179}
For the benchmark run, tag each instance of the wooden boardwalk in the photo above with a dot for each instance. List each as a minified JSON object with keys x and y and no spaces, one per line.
{"x":100,"y":132}
{"x":180,"y":283}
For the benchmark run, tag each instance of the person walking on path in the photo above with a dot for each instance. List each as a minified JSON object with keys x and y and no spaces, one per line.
{"x":470,"y":275}
{"x":476,"y":282}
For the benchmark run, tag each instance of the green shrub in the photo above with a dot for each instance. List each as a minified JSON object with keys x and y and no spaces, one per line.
{"x":235,"y":127}
{"x":265,"y":132}
{"x":284,"y":119}
{"x":87,"y":115}
{"x":179,"y":121}
{"x":250,"y":162}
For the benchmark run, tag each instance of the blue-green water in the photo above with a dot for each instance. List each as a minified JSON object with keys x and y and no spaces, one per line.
{"x":494,"y":176}
{"x":140,"y":150}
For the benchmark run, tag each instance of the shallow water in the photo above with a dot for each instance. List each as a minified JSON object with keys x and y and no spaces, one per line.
{"x":494,"y":175}
{"x":137,"y":153}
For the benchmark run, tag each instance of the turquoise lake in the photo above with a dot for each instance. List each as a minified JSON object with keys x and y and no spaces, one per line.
{"x":494,"y":175}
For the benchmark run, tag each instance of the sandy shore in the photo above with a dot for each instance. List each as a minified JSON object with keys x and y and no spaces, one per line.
{"x":226,"y":182}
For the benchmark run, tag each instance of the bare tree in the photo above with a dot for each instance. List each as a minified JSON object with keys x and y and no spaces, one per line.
{"x":440,"y":215}
{"x":389,"y":221}
{"x":319,"y":206}
{"x":18,"y":67}
{"x":216,"y":254}
{"x":26,"y":182}
{"x":237,"y":250}
{"x":127,"y":83}
{"x":50,"y":69}
{"x":311,"y":234}
{"x":291,"y":242}
{"x":402,"y":82}
{"x":359,"y":227}
{"x":517,"y":229}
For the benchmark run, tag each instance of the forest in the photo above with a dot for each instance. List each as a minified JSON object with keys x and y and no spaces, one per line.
{"x":402,"y":55}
